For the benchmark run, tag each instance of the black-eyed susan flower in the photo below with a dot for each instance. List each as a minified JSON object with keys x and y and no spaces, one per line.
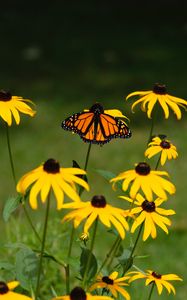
{"x":6,"y":292}
{"x":51,"y":176}
{"x":12,"y":106}
{"x":97,"y":208}
{"x":142,"y":177}
{"x":150,"y":214}
{"x":79,"y":294}
{"x":159,"y":280}
{"x":163,"y":146}
{"x":113,"y":283}
{"x":158,"y":95}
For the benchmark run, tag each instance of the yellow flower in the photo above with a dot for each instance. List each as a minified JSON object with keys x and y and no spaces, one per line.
{"x":97,"y":208}
{"x":160,"y":280}
{"x":79,"y":294}
{"x":50,"y":176}
{"x":142,"y":177}
{"x":162,"y":146}
{"x":158,"y":94}
{"x":113,"y":284}
{"x":150,"y":214}
{"x":84,"y":236}
{"x":7,"y":294}
{"x":12,"y":105}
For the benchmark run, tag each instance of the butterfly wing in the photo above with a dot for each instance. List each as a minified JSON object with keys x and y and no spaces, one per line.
{"x":79,"y":123}
{"x":96,"y":129}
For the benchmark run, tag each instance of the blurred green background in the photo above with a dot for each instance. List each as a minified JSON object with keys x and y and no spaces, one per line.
{"x":65,"y":55}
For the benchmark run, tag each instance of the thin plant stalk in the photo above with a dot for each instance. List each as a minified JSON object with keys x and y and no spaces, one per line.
{"x":109,"y":254}
{"x":30,"y":222}
{"x":15,"y":181}
{"x":90,"y":253}
{"x":42,"y":247}
{"x":151,"y":291}
{"x":67,"y":268}
{"x":10,"y":154}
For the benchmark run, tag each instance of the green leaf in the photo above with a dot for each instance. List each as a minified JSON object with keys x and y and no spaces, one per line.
{"x":125,"y":260}
{"x":4,"y":265}
{"x":83,"y":262}
{"x":108,"y":176}
{"x":11,"y":205}
{"x":26,"y":266}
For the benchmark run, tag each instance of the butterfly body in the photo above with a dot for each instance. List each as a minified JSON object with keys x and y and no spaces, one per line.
{"x":95,"y":126}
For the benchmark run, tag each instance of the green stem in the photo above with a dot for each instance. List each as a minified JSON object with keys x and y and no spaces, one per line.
{"x":15,"y":182}
{"x":158,"y":162}
{"x":108,"y":255}
{"x":42,"y":247}
{"x":90,"y":254}
{"x":87,"y":157}
{"x":151,"y":130}
{"x":30,"y":222}
{"x":10,"y":154}
{"x":151,"y":291}
{"x":113,"y":254}
{"x":133,"y":249}
{"x":67,"y":269}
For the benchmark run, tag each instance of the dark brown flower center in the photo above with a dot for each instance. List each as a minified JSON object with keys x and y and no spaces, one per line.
{"x":78,"y":294}
{"x":107,"y":280}
{"x":158,"y":276}
{"x":148,"y":206}
{"x":165,"y":145}
{"x":97,"y":108}
{"x":159,"y":89}
{"x":51,"y":166}
{"x":5,"y":96}
{"x":98,"y":201}
{"x":143,"y":168}
{"x":3,"y":288}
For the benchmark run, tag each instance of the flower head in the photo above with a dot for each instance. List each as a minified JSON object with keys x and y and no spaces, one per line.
{"x":51,"y":176}
{"x":79,"y":294}
{"x":166,"y":149}
{"x":113,"y":283}
{"x":12,"y":105}
{"x":142,"y":177}
{"x":7,"y":294}
{"x":97,"y":208}
{"x":159,"y":94}
{"x":160,"y":280}
{"x":150,"y":214}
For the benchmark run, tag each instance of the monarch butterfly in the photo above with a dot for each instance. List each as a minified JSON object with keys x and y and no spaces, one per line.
{"x":95,"y":126}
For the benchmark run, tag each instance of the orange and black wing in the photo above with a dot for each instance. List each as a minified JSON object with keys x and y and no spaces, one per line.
{"x":96,"y":129}
{"x":79,"y":123}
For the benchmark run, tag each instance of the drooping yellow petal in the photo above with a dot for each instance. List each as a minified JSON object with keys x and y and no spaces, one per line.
{"x":12,"y":285}
{"x":162,"y":101}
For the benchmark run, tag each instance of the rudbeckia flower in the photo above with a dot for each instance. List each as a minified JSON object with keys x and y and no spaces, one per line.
{"x":97,"y":208}
{"x":51,"y":176}
{"x":142,"y":177}
{"x":150,"y":214}
{"x":158,"y":95}
{"x":79,"y":294}
{"x":7,"y":294}
{"x":160,"y":280}
{"x":113,"y":283}
{"x":12,"y":105}
{"x":166,"y":149}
